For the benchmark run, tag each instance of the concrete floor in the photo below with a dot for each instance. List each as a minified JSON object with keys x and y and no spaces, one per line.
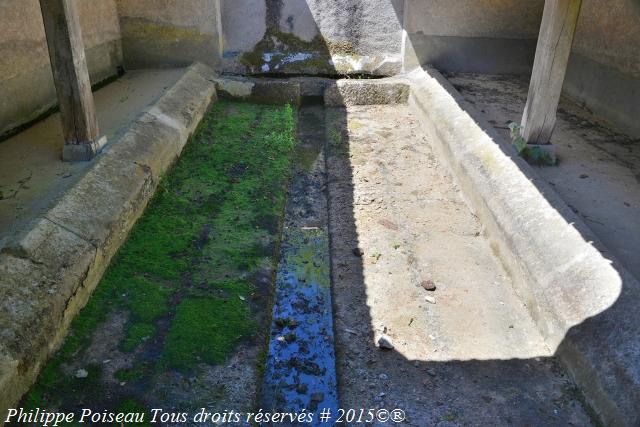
{"x":598,"y":174}
{"x":32,"y":174}
{"x":467,"y":353}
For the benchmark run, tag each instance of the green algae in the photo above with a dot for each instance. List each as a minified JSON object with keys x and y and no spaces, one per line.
{"x":194,"y":336}
{"x":184,"y":279}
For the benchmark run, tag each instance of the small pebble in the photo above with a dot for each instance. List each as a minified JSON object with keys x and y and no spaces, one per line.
{"x":430,"y":299}
{"x":82,"y":373}
{"x":385,"y":343}
{"x":428,"y":285}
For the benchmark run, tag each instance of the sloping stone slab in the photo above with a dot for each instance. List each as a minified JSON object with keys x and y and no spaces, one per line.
{"x":366,"y":92}
{"x":584,"y":304}
{"x":259,"y":90}
{"x":48,"y":273}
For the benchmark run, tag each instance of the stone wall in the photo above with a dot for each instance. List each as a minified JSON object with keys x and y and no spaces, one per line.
{"x":499,"y":36}
{"x":26,"y":82}
{"x":325,"y":37}
{"x":170,"y":33}
{"x":604,"y":70}
{"x":312,"y":36}
{"x":482,"y":36}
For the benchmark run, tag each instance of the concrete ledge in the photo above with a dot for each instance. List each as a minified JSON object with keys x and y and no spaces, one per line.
{"x":48,"y":274}
{"x":584,"y":304}
{"x":366,"y":92}
{"x":262,"y":91}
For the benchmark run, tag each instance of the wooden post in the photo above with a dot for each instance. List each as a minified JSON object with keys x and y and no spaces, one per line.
{"x":71,"y":78}
{"x":552,"y":56}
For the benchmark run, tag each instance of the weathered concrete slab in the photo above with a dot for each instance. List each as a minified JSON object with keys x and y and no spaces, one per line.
{"x":262,"y":91}
{"x":48,"y":273}
{"x":366,"y":92}
{"x":584,"y":304}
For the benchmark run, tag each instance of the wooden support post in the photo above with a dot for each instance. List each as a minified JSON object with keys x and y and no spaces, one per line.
{"x":71,"y":78}
{"x":552,"y":56}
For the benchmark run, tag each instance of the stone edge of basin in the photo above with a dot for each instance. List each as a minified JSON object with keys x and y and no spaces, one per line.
{"x":48,"y":273}
{"x":335,"y":93}
{"x":259,"y":90}
{"x":584,"y":304}
{"x":345,"y":92}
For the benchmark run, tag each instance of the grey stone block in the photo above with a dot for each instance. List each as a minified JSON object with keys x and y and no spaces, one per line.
{"x":366,"y":92}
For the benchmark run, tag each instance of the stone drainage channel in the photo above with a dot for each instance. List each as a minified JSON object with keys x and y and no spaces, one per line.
{"x":300,"y":375}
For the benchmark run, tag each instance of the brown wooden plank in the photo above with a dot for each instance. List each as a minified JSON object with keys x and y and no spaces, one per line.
{"x":71,"y":78}
{"x":552,"y":55}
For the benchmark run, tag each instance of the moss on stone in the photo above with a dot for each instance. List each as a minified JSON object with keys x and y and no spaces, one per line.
{"x":205,"y":330}
{"x":280,"y":45}
{"x":184,"y":276}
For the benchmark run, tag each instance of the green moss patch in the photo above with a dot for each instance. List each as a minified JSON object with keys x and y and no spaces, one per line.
{"x":184,"y":280}
{"x":204,"y":330}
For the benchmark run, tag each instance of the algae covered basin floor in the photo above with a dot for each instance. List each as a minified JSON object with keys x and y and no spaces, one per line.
{"x":180,"y":318}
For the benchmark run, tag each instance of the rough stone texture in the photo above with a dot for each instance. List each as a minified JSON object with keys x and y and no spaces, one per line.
{"x":26,"y":83}
{"x":312,"y":86}
{"x":300,"y":36}
{"x":262,"y":91}
{"x":584,"y":304}
{"x":366,"y":92}
{"x":49,"y":272}
{"x":158,"y":33}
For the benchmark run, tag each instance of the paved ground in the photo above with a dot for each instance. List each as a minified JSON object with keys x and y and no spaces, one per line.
{"x":466,"y":353}
{"x":32,"y":173}
{"x":598,"y":174}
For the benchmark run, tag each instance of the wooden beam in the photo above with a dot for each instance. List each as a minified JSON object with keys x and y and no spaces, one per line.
{"x":71,"y":78}
{"x":552,"y":56}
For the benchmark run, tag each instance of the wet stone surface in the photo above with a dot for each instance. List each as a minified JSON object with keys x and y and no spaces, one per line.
{"x":300,"y":372}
